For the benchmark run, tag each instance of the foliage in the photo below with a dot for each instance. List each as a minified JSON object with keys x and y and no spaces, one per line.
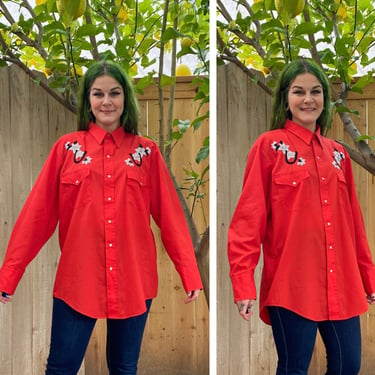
{"x":126,"y":31}
{"x":194,"y":182}
{"x":337,"y":34}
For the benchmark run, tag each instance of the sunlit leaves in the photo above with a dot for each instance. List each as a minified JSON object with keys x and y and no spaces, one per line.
{"x":124,"y":30}
{"x":338,"y":33}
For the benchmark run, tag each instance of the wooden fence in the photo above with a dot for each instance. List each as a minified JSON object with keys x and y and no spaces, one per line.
{"x":243,"y":113}
{"x":176,"y":337}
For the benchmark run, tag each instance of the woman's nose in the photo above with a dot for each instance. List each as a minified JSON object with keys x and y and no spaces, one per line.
{"x":106,"y":100}
{"x":308,"y":98}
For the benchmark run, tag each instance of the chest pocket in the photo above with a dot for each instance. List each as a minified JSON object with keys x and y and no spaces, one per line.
{"x":291,"y":191}
{"x":138,"y":189}
{"x":75,"y":188}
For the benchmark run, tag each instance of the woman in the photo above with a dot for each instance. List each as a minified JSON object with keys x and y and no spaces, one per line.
{"x":101,"y":184}
{"x":299,"y":203}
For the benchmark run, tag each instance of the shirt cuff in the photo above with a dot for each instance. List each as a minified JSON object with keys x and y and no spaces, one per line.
{"x":243,"y":286}
{"x":9,"y":279}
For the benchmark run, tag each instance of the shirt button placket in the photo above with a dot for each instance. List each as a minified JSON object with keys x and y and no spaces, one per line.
{"x":109,"y":224}
{"x":329,"y":233}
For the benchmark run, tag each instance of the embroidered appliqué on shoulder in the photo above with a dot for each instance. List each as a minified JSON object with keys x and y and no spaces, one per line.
{"x":79,"y":156}
{"x":136,"y":158}
{"x":291,"y":157}
{"x":338,"y":157}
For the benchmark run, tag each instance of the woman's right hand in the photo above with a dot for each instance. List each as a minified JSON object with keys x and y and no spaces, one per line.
{"x":371,"y":299}
{"x":244,"y":308}
{"x":4,"y":297}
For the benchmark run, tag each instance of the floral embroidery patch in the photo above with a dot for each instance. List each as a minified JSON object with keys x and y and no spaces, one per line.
{"x":79,"y":155}
{"x":137,"y":157}
{"x":291,"y":157}
{"x":338,"y":157}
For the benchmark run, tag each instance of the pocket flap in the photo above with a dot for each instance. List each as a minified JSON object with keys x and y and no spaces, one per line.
{"x":76,"y":177}
{"x":290,"y":179}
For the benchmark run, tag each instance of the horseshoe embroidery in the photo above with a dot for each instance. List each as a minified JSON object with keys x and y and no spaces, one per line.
{"x":137,"y":157}
{"x":291,"y":157}
{"x":338,"y":157}
{"x":79,"y":156}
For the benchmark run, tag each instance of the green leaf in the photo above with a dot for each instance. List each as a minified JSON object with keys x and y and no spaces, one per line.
{"x":167,"y":80}
{"x":169,"y":34}
{"x":365,"y":138}
{"x":342,"y":109}
{"x":269,"y":4}
{"x":306,"y":28}
{"x":87,"y":30}
{"x":143,"y":82}
{"x":203,"y":154}
{"x":361,"y":83}
{"x":197,"y":122}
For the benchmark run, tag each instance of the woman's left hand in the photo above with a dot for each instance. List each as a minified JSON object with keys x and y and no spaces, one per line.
{"x":371,"y":299}
{"x":192,"y":296}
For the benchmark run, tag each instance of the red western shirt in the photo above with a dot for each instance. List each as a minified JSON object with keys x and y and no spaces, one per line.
{"x":102,"y":188}
{"x":299,"y":202}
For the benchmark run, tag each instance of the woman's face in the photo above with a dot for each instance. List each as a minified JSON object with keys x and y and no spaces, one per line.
{"x":107,"y":102}
{"x":306,"y":100}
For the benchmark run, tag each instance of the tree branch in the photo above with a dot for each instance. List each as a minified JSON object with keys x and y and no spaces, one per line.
{"x":36,"y":77}
{"x":365,"y":161}
{"x":29,"y":42}
{"x":354,"y":133}
{"x":160,"y":88}
{"x":95,"y":51}
{"x":172,"y":92}
{"x":228,"y":56}
{"x":313,"y":50}
{"x":201,"y":245}
{"x":6,"y":13}
{"x":257,"y":24}
{"x":252,"y":42}
{"x":38,"y":24}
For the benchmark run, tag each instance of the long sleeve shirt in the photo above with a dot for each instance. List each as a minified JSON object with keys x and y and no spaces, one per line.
{"x":102,"y":188}
{"x":299,"y":205}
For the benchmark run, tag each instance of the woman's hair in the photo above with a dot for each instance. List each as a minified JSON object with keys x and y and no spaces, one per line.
{"x":130,"y":116}
{"x":280,"y":113}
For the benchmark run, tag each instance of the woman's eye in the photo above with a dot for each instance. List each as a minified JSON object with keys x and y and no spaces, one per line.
{"x":316,"y":92}
{"x":101,"y":94}
{"x":298,"y":92}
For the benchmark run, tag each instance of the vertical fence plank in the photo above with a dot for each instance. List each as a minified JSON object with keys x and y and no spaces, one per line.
{"x":242,"y":116}
{"x":21,"y":184}
{"x":223,"y":212}
{"x":6,"y":215}
{"x":41,"y":268}
{"x":233,"y":334}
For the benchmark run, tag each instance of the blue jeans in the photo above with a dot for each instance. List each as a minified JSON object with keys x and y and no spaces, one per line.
{"x":70,"y":335}
{"x":295,"y":338}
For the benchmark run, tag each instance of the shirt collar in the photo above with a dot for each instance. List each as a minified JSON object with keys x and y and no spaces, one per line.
{"x":99,"y":134}
{"x":303,"y":133}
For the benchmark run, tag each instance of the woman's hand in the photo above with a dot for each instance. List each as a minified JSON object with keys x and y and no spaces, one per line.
{"x":4,"y":297}
{"x":371,"y":299}
{"x":192,"y":296}
{"x":244,"y":308}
